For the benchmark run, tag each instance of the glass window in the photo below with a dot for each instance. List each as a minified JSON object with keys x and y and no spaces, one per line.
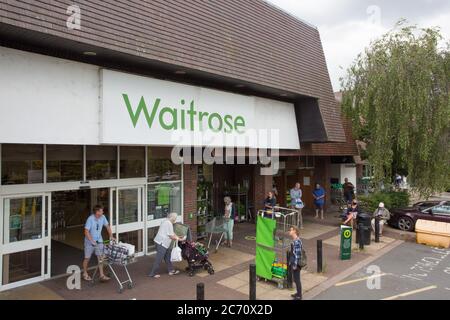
{"x":64,"y":163}
{"x":306,"y":162}
{"x":163,"y":199}
{"x":22,"y":164}
{"x":22,"y":266}
{"x":23,"y":219}
{"x":442,"y":209}
{"x":128,"y":206}
{"x":151,"y":234}
{"x":132,"y":162}
{"x":101,"y":162}
{"x":160,"y":165}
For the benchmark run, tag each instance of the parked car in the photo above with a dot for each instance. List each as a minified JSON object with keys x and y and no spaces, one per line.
{"x":405,"y":218}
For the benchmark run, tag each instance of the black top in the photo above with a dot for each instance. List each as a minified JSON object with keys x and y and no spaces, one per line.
{"x":272,"y":202}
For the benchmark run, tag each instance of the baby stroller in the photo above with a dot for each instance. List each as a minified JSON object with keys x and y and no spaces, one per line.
{"x":197,"y":257}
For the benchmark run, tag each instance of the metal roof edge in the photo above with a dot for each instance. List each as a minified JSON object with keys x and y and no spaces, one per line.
{"x":290,"y":14}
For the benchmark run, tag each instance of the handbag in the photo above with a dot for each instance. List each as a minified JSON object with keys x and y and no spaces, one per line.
{"x":175,"y":255}
{"x":299,"y":204}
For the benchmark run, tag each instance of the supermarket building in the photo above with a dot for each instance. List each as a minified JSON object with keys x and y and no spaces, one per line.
{"x":94,"y":97}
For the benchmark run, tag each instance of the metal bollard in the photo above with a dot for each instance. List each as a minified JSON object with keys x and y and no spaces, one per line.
{"x":361,"y":236}
{"x":319,"y":256}
{"x":200,"y":291}
{"x":377,"y":229}
{"x":252,"y":293}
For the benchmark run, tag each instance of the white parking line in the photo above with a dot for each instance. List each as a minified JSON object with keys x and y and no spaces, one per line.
{"x":409,"y":293}
{"x":360,"y":279}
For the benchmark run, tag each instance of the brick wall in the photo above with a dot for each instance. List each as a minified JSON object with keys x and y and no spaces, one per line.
{"x":190,"y":197}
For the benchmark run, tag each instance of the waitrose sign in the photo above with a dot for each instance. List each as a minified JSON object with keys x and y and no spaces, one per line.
{"x":172,"y":118}
{"x":144,"y":111}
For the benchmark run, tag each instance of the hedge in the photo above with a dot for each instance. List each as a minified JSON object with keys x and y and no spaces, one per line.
{"x":391,"y":200}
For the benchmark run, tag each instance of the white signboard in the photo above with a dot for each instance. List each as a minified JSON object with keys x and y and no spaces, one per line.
{"x":146,"y":111}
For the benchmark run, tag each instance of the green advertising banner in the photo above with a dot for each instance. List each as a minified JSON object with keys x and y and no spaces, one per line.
{"x":264,"y":260}
{"x":265,"y":230}
{"x":346,"y":242}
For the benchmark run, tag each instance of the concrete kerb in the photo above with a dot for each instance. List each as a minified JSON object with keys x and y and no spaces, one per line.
{"x":311,"y":294}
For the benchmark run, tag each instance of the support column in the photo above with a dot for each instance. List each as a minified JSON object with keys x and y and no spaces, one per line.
{"x":262,"y":185}
{"x":190,"y":197}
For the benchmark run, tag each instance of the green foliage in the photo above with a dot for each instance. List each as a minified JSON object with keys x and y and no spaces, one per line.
{"x":397,"y":96}
{"x":390,"y":199}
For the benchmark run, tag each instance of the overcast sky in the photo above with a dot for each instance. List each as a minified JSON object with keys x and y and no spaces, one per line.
{"x":347,"y":26}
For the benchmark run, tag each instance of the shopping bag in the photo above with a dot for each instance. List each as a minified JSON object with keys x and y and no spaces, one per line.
{"x":131,"y":248}
{"x":175,"y":256}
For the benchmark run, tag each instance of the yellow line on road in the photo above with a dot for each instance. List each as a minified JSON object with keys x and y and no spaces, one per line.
{"x":360,"y":279}
{"x":410,"y":293}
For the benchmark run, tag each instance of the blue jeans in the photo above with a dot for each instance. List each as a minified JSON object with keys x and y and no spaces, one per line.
{"x":161,"y":254}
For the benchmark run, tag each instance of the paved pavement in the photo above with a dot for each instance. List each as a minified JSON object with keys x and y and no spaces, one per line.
{"x":443,"y":196}
{"x":230,"y":282}
{"x":408,"y":272}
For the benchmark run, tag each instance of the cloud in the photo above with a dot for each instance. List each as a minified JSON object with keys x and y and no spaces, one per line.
{"x":348,"y":26}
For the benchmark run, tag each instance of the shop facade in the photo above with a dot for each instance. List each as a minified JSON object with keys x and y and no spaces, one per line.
{"x":93,"y":116}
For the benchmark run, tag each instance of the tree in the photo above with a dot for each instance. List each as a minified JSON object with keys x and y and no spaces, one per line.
{"x":397,"y":95}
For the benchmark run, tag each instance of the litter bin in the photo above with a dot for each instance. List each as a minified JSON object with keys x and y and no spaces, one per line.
{"x":364,"y":223}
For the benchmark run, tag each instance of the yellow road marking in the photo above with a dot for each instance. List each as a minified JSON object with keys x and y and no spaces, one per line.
{"x":410,"y":293}
{"x":361,"y":279}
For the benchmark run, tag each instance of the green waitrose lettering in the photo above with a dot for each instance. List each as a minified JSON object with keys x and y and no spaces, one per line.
{"x":170,"y":118}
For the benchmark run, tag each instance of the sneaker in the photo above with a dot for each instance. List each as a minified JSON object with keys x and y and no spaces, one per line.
{"x":173,"y":273}
{"x":156,"y":276}
{"x":294,"y":295}
{"x":298,"y":298}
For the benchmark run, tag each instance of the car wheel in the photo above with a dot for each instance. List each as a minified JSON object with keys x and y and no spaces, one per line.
{"x":406,"y":224}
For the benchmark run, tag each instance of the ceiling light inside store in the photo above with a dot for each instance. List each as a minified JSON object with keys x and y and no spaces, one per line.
{"x":90,"y":53}
{"x":180,"y":72}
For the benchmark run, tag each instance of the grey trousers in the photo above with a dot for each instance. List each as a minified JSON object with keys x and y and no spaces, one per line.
{"x":161,"y":254}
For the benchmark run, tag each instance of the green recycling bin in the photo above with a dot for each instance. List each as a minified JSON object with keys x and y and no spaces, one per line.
{"x":346,"y":243}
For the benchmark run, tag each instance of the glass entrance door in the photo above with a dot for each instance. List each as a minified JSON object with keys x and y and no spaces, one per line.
{"x":25,"y":240}
{"x":126,"y":216}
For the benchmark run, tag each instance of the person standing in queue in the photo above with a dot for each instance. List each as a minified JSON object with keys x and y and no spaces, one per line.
{"x":319,"y":200}
{"x":349,"y":190}
{"x":297,"y":203}
{"x":230,"y":216}
{"x":269,"y":205}
{"x":294,"y":261}
{"x":93,"y":241}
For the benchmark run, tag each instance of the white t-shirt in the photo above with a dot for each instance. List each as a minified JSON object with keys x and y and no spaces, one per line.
{"x":164,"y":233}
{"x":228,"y":209}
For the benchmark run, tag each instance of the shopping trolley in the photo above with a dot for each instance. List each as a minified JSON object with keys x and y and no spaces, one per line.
{"x":216,"y":226}
{"x":117,"y":254}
